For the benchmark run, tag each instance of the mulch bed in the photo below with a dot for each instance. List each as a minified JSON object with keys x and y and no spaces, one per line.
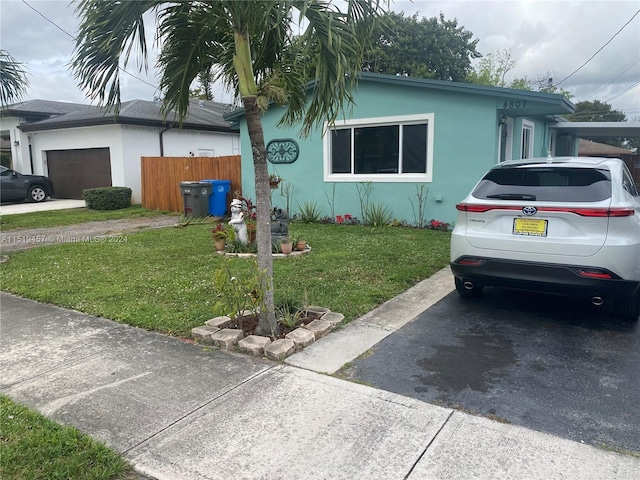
{"x":249,"y":323}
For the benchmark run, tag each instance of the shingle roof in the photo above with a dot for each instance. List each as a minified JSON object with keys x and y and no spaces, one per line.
{"x":591,"y":148}
{"x":48,"y":115}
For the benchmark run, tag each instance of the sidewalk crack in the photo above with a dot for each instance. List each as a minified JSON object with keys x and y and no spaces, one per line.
{"x":428,"y":445}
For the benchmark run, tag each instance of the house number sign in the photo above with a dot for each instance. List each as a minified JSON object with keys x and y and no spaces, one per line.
{"x":283,"y":150}
{"x":515,"y":104}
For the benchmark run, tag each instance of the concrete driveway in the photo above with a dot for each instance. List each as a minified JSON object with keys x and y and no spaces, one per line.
{"x":542,"y":362}
{"x":51,"y":204}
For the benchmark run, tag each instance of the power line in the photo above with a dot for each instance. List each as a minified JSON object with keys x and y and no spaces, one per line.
{"x":599,"y":50}
{"x":623,"y":92}
{"x":604,"y":86}
{"x":74,"y":38}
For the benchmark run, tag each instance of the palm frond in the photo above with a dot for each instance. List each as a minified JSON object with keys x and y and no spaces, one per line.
{"x":13,"y":79}
{"x":108,"y":32}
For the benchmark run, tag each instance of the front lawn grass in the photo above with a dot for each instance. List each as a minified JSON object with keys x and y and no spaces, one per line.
{"x":36,"y":448}
{"x":162,"y":279}
{"x":72,"y":216}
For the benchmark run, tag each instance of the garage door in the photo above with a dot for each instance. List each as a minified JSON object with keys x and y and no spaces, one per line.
{"x":75,"y":170}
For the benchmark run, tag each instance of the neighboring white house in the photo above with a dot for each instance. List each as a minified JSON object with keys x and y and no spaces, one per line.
{"x":81,"y":146}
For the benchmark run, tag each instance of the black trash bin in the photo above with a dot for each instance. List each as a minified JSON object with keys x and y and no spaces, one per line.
{"x":195,"y":196}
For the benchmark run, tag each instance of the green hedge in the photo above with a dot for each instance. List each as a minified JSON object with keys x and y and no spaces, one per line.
{"x":107,"y":198}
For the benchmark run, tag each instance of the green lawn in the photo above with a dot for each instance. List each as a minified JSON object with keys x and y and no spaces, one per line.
{"x":36,"y":448}
{"x":163,"y":279}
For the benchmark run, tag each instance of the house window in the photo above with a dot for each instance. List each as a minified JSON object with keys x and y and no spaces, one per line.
{"x":390,"y":149}
{"x":527,"y":139}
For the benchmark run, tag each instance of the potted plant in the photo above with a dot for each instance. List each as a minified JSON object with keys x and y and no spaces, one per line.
{"x":274,"y":180}
{"x":297,"y":242}
{"x":221,"y":234}
{"x":286,"y":246}
{"x":249,"y":218}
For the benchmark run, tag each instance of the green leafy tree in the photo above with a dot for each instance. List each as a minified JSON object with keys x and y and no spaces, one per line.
{"x":493,"y":68}
{"x":426,"y":48}
{"x":203,"y":92}
{"x":13,"y":79}
{"x":248,"y":44}
{"x":598,"y":111}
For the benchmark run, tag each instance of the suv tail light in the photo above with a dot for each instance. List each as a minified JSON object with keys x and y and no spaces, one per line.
{"x":595,"y":273}
{"x":583,"y":212}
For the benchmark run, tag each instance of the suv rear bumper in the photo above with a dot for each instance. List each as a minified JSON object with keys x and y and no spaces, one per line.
{"x":542,"y":277}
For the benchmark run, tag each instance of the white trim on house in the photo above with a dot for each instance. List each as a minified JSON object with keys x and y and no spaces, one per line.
{"x":428,"y":118}
{"x":505,"y":148}
{"x":527,"y":139}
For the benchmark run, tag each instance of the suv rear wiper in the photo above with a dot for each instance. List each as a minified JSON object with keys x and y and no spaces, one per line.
{"x":513,"y":196}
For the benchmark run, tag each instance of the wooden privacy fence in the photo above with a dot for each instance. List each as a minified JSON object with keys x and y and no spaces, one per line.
{"x":161,"y":177}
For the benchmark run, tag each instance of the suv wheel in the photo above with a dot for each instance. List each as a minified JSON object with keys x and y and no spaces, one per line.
{"x":474,"y":292}
{"x":37,"y":194}
{"x":627,"y":307}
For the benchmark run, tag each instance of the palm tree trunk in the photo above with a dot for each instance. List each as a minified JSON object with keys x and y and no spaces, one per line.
{"x":267,"y":324}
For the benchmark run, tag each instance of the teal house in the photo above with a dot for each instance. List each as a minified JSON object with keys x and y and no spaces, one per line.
{"x":402,"y":138}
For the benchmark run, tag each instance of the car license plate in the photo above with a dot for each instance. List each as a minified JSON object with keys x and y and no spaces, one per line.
{"x":530,"y":226}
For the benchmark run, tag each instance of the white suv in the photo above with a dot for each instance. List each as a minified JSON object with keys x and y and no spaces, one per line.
{"x":565,"y":225}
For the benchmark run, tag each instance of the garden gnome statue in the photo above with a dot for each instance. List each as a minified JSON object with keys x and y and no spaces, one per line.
{"x":237,"y":221}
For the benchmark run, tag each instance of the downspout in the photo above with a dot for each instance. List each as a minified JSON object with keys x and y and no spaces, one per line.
{"x":162,"y":140}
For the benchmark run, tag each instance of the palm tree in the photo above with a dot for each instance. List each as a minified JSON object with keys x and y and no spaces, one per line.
{"x":13,"y":79}
{"x":252,"y":49}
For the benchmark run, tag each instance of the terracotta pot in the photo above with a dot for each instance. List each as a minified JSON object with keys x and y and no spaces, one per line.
{"x":301,"y":245}
{"x":220,"y":243}
{"x":251,"y":233}
{"x":286,"y":248}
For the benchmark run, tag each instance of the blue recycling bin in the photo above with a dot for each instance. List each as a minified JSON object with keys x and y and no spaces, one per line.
{"x":218,"y":198}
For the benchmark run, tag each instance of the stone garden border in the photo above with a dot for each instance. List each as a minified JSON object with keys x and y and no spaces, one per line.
{"x":215,"y":332}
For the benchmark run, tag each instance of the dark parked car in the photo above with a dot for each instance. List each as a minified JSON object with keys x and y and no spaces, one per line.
{"x":16,"y":186}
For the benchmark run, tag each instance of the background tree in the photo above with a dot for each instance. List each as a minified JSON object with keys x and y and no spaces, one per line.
{"x":492,"y":71}
{"x":250,"y":46}
{"x":426,"y":48}
{"x":598,"y":111}
{"x":203,"y":91}
{"x":13,"y":79}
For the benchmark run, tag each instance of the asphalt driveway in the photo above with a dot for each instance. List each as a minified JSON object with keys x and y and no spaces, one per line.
{"x":542,"y":362}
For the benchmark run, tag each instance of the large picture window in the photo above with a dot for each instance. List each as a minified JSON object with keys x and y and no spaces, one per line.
{"x":380,"y":149}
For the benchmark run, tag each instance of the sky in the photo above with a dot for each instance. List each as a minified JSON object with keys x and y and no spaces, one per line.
{"x":591,"y":47}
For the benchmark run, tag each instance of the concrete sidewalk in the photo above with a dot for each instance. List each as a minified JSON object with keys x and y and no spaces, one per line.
{"x":51,"y":204}
{"x":185,"y":412}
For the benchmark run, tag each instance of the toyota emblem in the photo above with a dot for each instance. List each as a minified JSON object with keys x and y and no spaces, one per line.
{"x":529,"y":210}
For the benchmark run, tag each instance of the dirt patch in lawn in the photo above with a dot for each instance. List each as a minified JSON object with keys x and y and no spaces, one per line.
{"x":24,"y":239}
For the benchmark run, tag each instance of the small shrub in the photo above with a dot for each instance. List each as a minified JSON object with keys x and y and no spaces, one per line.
{"x":288,"y":318}
{"x":377,"y":215}
{"x":310,"y":212}
{"x":236,"y":246}
{"x":107,"y":198}
{"x":236,"y":294}
{"x":438,"y":225}
{"x":347,"y":219}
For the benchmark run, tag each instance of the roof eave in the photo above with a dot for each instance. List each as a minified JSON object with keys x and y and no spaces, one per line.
{"x":120,"y":121}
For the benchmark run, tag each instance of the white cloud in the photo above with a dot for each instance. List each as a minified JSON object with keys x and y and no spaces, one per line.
{"x":544,"y":36}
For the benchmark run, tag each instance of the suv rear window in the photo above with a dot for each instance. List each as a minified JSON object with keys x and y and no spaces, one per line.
{"x":545,"y":184}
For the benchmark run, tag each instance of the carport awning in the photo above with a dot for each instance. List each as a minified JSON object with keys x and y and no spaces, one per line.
{"x":598,"y":129}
